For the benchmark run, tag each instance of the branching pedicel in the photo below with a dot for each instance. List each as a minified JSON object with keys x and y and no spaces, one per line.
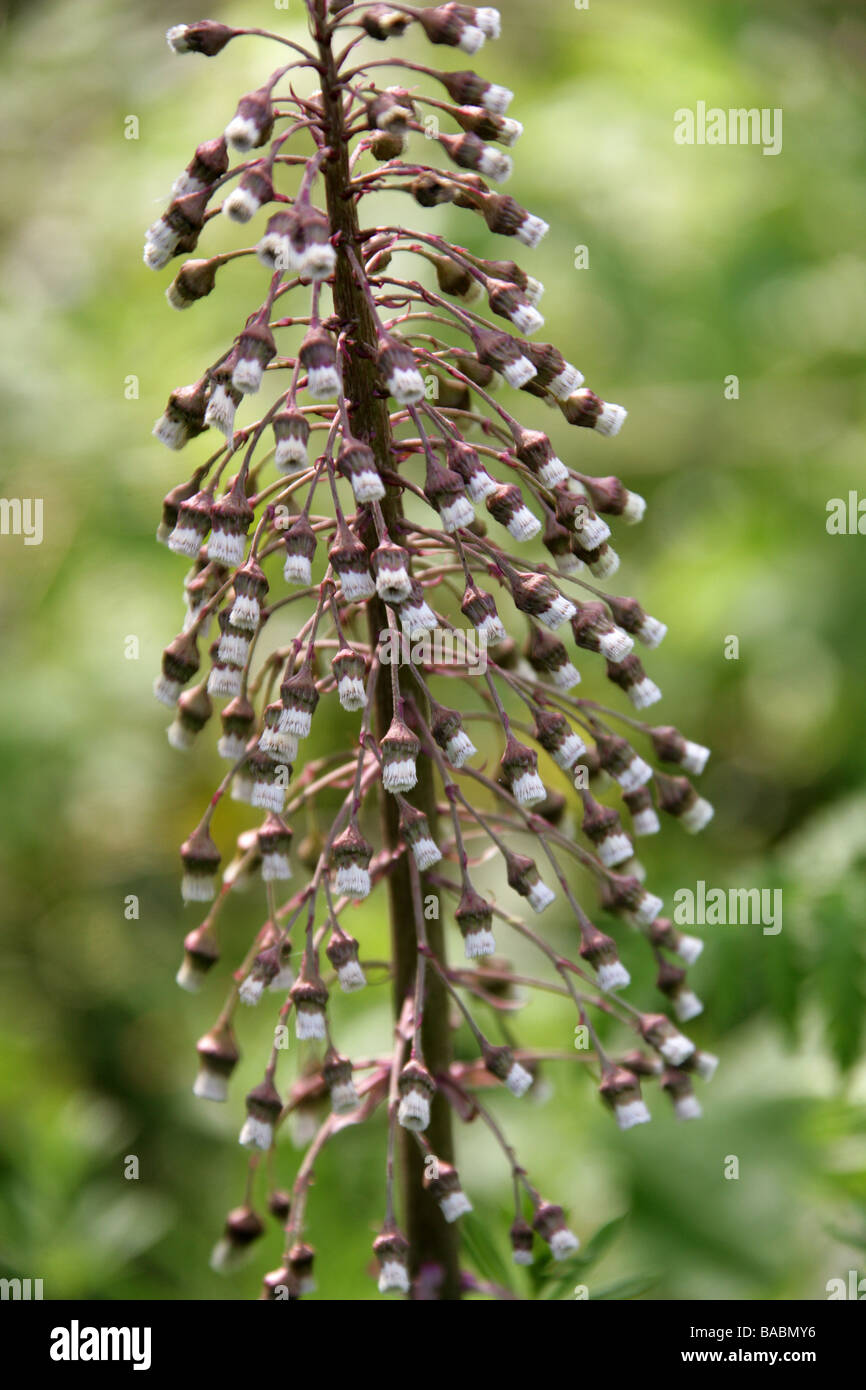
{"x":364,"y":518}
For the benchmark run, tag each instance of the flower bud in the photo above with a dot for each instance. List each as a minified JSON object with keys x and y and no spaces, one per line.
{"x":337,"y":1075}
{"x":390,"y":564}
{"x":183,"y":418}
{"x":416,"y":1088}
{"x":218,"y":1056}
{"x":506,"y":505}
{"x":255,"y":349}
{"x":415,"y":830}
{"x":620,"y":1089}
{"x":253,"y":122}
{"x":549,"y":1222}
{"x":524,"y":878}
{"x":631,"y":677}
{"x":238,"y":721}
{"x":242,"y":1229}
{"x":399,"y":750}
{"x":474,"y":917}
{"x":292,"y":433}
{"x":200,"y":953}
{"x":391,"y":1249}
{"x":274,"y":840}
{"x":206,"y":37}
{"x":309,"y":996}
{"x":263,"y":1110}
{"x":601,"y":953}
{"x":357,"y":463}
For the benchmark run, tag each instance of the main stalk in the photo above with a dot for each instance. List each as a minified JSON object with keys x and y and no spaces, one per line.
{"x":433,"y":1242}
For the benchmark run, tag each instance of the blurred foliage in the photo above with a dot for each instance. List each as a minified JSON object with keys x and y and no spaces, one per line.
{"x":702,"y":262}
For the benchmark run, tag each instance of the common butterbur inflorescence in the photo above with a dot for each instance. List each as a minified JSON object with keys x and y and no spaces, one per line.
{"x":384,"y":492}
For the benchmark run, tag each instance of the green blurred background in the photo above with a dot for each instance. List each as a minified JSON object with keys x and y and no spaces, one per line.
{"x":703,"y":262}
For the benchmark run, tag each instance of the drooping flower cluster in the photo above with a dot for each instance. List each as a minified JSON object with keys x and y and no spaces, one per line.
{"x":386,"y":490}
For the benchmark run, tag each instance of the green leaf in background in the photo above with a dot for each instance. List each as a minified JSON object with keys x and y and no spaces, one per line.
{"x":841,"y":970}
{"x":482,"y":1248}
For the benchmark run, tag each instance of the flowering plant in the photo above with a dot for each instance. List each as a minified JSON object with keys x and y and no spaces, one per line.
{"x":353,"y":498}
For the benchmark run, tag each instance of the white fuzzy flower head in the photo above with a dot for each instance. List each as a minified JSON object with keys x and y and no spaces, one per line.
{"x":569,"y":751}
{"x":399,"y":774}
{"x":480,"y":942}
{"x":523,"y":525}
{"x":518,"y":1079}
{"x":615,"y":645}
{"x":646,"y":822}
{"x":309,"y":1022}
{"x":652,"y":632}
{"x":614,"y":849}
{"x":426,"y":853}
{"x":414,"y":1109}
{"x":563,"y":1243}
{"x":353,"y":880}
{"x":699,"y":814}
{"x":687,"y":1005}
{"x":629,"y":1113}
{"x":540,"y":896}
{"x":526,"y":319}
{"x":459,"y":748}
{"x":256,"y":1133}
{"x":351,"y":693}
{"x":687,"y":1108}
{"x":553,"y":472}
{"x":406,"y":385}
{"x":456,"y":514}
{"x":694,"y":758}
{"x":242,"y":133}
{"x":613,"y":976}
{"x":367,"y":486}
{"x":495,"y":164}
{"x":208,"y":1085}
{"x":221,"y":411}
{"x":561,"y":610}
{"x":166,"y":691}
{"x":176,"y":38}
{"x":634,"y":774}
{"x":528,"y":789}
{"x":393,"y":1277}
{"x":567,"y":380}
{"x":518,"y":372}
{"x":607,"y":563}
{"x":276,"y":867}
{"x":471,"y":38}
{"x":323,"y":382}
{"x":610,"y":420}
{"x":251,"y":989}
{"x":297,"y":570}
{"x":566,"y":676}
{"x":318,"y":261}
{"x":644,"y":693}
{"x":532,"y":230}
{"x":497,"y":99}
{"x":351,"y":977}
{"x":676,"y":1048}
{"x":489,"y":21}
{"x":688,"y":948}
{"x":248,"y":375}
{"x":454,"y":1205}
{"x":241,"y":205}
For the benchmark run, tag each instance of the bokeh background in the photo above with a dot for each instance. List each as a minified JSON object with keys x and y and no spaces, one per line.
{"x":704,"y":262}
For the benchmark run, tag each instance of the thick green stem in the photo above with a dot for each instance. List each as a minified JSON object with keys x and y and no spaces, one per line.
{"x":433,"y":1241}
